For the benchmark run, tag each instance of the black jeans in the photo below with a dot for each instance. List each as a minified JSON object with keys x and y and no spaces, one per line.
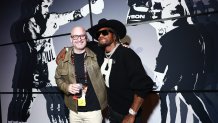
{"x":116,"y":117}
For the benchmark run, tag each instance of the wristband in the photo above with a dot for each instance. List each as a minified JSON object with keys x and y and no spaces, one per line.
{"x":132,"y":112}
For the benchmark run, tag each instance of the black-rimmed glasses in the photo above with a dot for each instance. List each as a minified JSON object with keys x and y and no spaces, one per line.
{"x":75,"y":37}
{"x":103,"y":32}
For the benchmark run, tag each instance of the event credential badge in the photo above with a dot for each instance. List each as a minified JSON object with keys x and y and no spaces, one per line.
{"x":82,"y":99}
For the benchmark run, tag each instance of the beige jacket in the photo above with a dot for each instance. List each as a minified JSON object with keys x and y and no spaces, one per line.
{"x":65,"y":75}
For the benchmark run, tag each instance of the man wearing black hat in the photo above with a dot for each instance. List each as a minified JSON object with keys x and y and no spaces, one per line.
{"x":126,"y":80}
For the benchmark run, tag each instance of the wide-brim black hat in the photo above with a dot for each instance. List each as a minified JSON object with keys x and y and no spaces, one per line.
{"x":116,"y":25}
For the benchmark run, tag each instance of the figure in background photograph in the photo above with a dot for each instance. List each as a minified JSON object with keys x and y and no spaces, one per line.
{"x":35,"y":67}
{"x":181,"y":62}
{"x":184,"y":72}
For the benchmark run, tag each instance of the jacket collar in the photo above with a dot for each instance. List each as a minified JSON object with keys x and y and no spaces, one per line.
{"x":89,"y":53}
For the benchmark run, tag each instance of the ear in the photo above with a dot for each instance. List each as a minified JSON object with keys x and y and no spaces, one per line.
{"x":37,"y":8}
{"x":116,"y":37}
{"x":71,"y":40}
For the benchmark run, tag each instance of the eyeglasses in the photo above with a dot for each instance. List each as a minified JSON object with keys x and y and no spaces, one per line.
{"x":75,"y":37}
{"x":103,"y":32}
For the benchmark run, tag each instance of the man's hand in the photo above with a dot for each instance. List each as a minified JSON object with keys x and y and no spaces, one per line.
{"x":158,"y":79}
{"x":61,"y":55}
{"x":74,"y":88}
{"x":129,"y":118}
{"x":97,"y":7}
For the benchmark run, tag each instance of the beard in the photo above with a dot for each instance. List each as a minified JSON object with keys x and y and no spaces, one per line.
{"x":105,"y":43}
{"x":41,"y":21}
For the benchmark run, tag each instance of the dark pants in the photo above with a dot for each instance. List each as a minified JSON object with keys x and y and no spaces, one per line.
{"x":116,"y":117}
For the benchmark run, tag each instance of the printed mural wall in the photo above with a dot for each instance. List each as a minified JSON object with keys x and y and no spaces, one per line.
{"x":176,"y":40}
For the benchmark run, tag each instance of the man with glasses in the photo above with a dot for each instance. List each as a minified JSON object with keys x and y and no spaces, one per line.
{"x":78,"y":75}
{"x":126,"y":80}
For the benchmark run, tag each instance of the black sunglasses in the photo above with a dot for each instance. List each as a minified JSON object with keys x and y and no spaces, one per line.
{"x":103,"y":32}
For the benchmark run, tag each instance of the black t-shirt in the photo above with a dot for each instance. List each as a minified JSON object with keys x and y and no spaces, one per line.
{"x":91,"y":98}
